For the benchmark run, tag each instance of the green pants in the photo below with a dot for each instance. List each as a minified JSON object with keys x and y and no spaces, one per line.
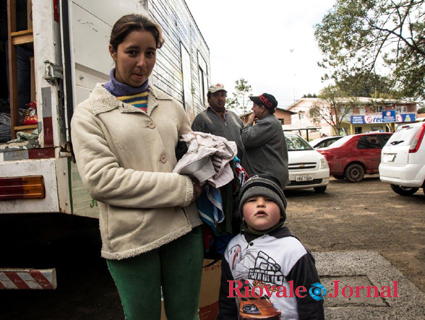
{"x":176,"y":267}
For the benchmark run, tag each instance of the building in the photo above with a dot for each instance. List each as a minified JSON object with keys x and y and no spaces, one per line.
{"x":283,"y":115}
{"x":367,"y":115}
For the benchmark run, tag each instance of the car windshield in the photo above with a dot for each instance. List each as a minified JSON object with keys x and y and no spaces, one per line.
{"x":403,"y":135}
{"x":296,"y":143}
{"x":316,"y":141}
{"x":340,"y":142}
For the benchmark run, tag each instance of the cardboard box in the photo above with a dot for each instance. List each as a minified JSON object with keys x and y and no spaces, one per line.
{"x":210,"y":287}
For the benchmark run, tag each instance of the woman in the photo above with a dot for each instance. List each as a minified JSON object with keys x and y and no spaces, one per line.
{"x":124,"y":137}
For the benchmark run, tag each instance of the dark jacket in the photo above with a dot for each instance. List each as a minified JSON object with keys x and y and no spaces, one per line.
{"x":209,"y":121}
{"x":265,"y":149}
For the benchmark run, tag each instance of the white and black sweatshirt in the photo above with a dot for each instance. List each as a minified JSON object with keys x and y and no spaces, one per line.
{"x":276,"y":259}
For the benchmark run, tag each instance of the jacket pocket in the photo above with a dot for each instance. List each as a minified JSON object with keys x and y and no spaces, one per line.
{"x":123,"y":221}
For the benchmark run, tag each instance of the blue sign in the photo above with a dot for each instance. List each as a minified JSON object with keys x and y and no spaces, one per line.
{"x":357,"y":120}
{"x":388,"y":116}
{"x":408,"y":117}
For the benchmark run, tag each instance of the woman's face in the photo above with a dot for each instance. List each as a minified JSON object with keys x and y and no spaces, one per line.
{"x":135,"y":58}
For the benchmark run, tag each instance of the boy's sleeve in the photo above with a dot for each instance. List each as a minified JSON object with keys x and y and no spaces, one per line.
{"x":227,"y":309}
{"x":304,"y":273}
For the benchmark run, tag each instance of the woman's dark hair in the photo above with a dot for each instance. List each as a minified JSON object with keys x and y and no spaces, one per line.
{"x":134,"y":22}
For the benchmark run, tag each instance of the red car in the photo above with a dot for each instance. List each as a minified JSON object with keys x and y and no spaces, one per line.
{"x":352,"y":156}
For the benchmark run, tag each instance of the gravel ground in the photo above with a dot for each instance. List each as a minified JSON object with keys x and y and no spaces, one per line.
{"x":348,"y":217}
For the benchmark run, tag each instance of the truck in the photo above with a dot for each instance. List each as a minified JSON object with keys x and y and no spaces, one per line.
{"x":69,"y":41}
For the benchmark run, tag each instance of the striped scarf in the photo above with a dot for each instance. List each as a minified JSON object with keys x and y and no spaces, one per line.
{"x":139,"y":100}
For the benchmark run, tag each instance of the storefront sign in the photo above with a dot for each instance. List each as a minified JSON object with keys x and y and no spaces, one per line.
{"x":388,"y":116}
{"x":408,"y":117}
{"x":365,"y":119}
{"x":368,"y":119}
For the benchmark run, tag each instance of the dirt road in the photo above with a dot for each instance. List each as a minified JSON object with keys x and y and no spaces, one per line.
{"x":363,"y":216}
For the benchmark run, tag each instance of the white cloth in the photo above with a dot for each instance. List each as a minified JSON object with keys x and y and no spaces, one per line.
{"x":202,"y":147}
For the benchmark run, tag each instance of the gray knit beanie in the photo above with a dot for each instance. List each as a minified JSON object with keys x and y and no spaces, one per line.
{"x":265,"y":186}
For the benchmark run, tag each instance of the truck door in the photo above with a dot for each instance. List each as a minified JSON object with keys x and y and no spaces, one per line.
{"x":86,"y":27}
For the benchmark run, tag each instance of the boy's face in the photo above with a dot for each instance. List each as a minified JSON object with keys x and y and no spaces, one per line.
{"x":260,"y":213}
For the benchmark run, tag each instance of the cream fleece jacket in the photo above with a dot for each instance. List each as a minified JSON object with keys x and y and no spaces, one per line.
{"x":125,"y":158}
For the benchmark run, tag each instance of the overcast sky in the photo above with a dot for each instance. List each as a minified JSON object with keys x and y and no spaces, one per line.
{"x":270,"y":43}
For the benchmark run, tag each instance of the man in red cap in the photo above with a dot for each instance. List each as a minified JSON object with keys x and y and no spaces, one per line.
{"x":264,"y":142}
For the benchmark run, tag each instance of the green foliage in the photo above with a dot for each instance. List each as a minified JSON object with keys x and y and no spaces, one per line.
{"x":240,"y":97}
{"x":367,"y":85}
{"x":370,"y":36}
{"x":308,"y":95}
{"x":332,"y":107}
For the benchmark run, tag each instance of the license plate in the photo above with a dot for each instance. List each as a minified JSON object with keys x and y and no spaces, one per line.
{"x":304,"y":177}
{"x":389,"y":157}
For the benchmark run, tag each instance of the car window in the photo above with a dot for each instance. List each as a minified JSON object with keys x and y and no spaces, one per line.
{"x":340,"y":142}
{"x":369,"y":142}
{"x":384,"y":138}
{"x":296,"y":143}
{"x":329,"y":142}
{"x":403,"y":135}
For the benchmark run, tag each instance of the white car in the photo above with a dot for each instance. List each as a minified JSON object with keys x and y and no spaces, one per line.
{"x":403,"y":159}
{"x":307,"y":167}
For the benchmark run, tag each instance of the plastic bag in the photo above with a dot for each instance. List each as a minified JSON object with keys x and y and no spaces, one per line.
{"x":30,"y":116}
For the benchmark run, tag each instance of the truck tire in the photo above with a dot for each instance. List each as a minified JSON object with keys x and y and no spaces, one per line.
{"x":404,"y":191}
{"x":320,"y":189}
{"x":354,"y":172}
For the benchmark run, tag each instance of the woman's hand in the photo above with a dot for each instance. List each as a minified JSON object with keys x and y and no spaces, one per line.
{"x":197,"y":189}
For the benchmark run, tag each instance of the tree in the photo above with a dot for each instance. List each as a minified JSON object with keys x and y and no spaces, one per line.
{"x":240,"y":96}
{"x":332,"y":106}
{"x":372,"y":36}
{"x":367,"y":85}
{"x":310,"y":95}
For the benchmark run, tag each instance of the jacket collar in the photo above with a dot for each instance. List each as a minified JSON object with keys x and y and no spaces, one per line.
{"x":102,"y":101}
{"x":277,"y":233}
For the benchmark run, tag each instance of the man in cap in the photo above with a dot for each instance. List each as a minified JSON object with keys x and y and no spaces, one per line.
{"x":264,"y":142}
{"x":219,"y":121}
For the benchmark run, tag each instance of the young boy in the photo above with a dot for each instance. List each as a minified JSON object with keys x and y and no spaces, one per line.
{"x":265,"y":268}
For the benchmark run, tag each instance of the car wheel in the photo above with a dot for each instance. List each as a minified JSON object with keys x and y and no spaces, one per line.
{"x":354,"y":172}
{"x":339,"y":176}
{"x":403,"y":191}
{"x":320,"y":189}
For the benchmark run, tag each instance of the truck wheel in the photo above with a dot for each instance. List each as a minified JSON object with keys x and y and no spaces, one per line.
{"x":320,"y":189}
{"x":404,"y":191}
{"x":354,"y":172}
{"x":339,"y":176}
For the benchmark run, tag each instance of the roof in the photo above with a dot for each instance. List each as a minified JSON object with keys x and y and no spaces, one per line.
{"x":359,"y":100}
{"x":278,"y":108}
{"x":291,"y":127}
{"x":285,"y":110}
